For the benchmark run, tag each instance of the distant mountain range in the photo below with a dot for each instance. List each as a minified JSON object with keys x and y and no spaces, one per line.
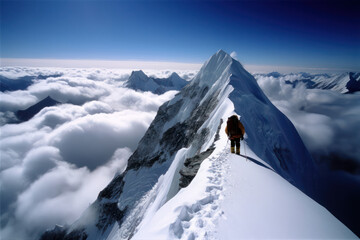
{"x":21,"y":83}
{"x":343,"y":83}
{"x":138,"y":80}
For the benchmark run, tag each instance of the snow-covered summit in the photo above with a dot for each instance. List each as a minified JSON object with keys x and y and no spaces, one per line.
{"x":146,"y":200}
{"x":138,"y":80}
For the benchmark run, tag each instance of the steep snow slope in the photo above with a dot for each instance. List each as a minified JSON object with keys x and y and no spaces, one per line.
{"x":238,"y":197}
{"x":184,"y":127}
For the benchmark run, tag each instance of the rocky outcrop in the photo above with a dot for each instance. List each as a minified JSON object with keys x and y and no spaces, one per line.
{"x":192,"y":165}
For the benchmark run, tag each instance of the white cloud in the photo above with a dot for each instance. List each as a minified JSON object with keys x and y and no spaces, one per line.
{"x":18,"y":100}
{"x":39,"y":161}
{"x":100,"y":135}
{"x":326,"y":120}
{"x":67,"y":153}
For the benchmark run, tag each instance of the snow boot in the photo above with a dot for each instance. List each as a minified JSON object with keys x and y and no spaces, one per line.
{"x":238,"y":151}
{"x":232,"y":149}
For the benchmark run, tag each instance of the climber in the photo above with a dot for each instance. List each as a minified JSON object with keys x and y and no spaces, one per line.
{"x":235,"y":131}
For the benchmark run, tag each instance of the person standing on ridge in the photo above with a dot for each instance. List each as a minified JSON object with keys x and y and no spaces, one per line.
{"x":235,"y":131}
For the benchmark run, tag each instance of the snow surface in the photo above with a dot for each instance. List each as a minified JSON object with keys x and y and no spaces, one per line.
{"x":236,"y":196}
{"x":231,"y":196}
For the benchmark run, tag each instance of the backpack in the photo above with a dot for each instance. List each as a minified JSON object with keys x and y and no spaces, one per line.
{"x":233,"y":126}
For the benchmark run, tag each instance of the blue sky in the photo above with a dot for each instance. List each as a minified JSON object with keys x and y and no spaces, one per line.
{"x":319,"y":34}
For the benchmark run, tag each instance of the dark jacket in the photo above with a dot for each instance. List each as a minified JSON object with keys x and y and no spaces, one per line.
{"x":240,"y":135}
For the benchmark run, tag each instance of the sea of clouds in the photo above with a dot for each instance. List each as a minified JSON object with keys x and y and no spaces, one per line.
{"x":327,"y":121}
{"x":54,"y":165}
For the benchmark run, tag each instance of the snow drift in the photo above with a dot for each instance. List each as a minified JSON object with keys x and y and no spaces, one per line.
{"x":146,"y":200}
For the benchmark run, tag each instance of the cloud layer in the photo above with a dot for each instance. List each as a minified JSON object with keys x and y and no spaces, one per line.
{"x":326,"y":120}
{"x":54,"y":165}
{"x":68,"y":153}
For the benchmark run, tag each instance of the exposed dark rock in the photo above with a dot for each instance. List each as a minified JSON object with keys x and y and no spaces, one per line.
{"x":159,"y":144}
{"x":354,"y":84}
{"x":217,"y":135}
{"x":174,"y":138}
{"x":114,"y":188}
{"x":144,"y":153}
{"x":59,"y":233}
{"x":192,"y":166}
{"x":76,"y":235}
{"x":106,"y":207}
{"x":284,"y":156}
{"x":25,"y":115}
{"x":108,"y":214}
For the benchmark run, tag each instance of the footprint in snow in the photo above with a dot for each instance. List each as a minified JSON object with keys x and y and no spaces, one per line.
{"x":198,"y":220}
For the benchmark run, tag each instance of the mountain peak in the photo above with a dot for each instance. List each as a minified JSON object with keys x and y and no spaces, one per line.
{"x":190,"y":124}
{"x":25,"y":115}
{"x":222,"y":53}
{"x":174,"y":75}
{"x":138,"y":80}
{"x":139,"y":75}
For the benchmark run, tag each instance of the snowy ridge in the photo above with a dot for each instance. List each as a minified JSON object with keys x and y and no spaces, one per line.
{"x":232,"y":197}
{"x":190,"y":216}
{"x":145,"y":201}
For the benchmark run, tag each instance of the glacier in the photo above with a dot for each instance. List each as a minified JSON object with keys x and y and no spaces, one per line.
{"x":266,"y":192}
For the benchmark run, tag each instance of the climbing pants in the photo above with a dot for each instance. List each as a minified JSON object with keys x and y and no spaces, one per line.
{"x":235,"y":142}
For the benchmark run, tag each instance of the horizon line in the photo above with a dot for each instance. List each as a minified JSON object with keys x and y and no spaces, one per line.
{"x":151,"y":65}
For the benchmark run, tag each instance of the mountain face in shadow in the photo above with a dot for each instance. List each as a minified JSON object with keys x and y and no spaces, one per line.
{"x":354,"y":84}
{"x":21,"y":83}
{"x":27,"y":114}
